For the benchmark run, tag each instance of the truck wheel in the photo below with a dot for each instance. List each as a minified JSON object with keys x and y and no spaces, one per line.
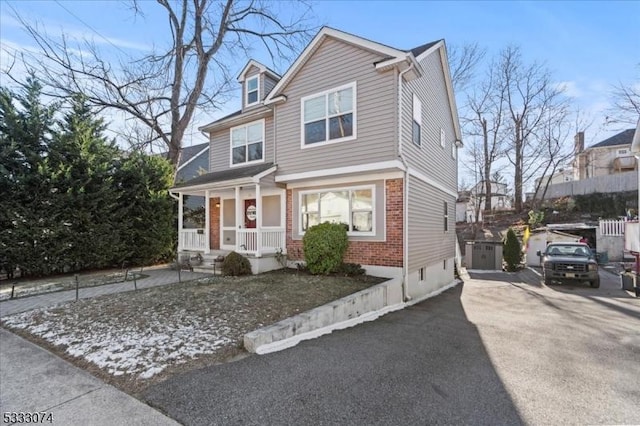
{"x":596,"y":283}
{"x":547,"y":280}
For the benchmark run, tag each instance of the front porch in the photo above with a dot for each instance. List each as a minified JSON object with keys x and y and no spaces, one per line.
{"x":245,"y":214}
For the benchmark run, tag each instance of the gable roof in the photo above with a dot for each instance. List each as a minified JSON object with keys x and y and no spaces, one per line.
{"x":263,"y":68}
{"x":249,"y":173}
{"x":417,"y":51}
{"x":623,"y":138}
{"x":390,"y":54}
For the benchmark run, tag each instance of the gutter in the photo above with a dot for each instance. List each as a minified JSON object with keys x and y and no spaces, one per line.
{"x":405,"y":202}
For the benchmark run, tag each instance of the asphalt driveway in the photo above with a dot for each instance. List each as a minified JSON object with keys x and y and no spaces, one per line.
{"x":500,"y":349}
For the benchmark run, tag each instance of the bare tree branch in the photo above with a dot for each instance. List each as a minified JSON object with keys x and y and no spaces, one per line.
{"x":161,"y":90}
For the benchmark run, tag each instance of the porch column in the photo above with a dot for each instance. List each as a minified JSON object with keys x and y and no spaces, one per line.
{"x":239,"y":220}
{"x":258,"y":221}
{"x":180,"y":212}
{"x":207,"y":223}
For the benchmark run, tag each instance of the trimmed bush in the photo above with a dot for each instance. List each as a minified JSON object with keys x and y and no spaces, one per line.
{"x":235,"y":264}
{"x":324,"y":247}
{"x":512,"y":251}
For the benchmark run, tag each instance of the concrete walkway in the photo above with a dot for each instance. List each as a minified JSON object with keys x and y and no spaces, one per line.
{"x":33,"y":380}
{"x":157,"y":277}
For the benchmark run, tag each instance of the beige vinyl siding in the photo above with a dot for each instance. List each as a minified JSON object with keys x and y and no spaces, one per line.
{"x":267,"y":83}
{"x":336,"y":63}
{"x":430,"y":157}
{"x":428,"y":242}
{"x":220,"y":148}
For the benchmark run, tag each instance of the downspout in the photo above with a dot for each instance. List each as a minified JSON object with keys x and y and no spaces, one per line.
{"x":172,"y":195}
{"x":405,"y":196}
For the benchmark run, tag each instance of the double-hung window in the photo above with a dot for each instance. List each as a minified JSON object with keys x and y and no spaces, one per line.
{"x":247,"y":143}
{"x":329,"y":116}
{"x":252,"y":89}
{"x":417,"y":120}
{"x":352,"y":207}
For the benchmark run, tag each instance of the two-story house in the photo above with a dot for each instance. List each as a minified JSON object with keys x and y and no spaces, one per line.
{"x":354,"y":132}
{"x":611,"y":156}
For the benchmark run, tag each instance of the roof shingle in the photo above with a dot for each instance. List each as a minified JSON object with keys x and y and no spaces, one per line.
{"x":231,"y":174}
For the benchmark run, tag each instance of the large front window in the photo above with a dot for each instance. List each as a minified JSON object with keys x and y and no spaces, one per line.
{"x":329,"y":116}
{"x":247,"y":143}
{"x":353,"y":207}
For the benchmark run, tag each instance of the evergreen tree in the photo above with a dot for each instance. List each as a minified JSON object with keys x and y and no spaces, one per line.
{"x":25,"y":132}
{"x":512,"y":251}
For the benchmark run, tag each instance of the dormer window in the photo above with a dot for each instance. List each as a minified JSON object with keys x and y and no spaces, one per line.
{"x":252,"y":89}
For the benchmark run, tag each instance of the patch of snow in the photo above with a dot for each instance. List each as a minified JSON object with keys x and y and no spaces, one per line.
{"x":144,"y":350}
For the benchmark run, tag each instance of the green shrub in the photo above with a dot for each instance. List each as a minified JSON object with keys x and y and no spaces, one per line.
{"x":512,"y":251}
{"x":236,"y":264}
{"x":324,"y":247}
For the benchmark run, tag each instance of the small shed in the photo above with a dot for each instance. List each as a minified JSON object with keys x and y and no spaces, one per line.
{"x":540,"y":238}
{"x":486,"y":255}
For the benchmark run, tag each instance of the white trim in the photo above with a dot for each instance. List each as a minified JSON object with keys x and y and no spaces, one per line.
{"x":370,"y":167}
{"x":261,"y":67}
{"x":371,"y":187}
{"x":325,"y":93}
{"x":449,"y":86}
{"x":207,"y":222}
{"x":194,"y":157}
{"x":246,"y":91}
{"x":430,"y":50}
{"x":348,"y":180}
{"x":419,"y":175}
{"x":237,"y":120}
{"x":256,"y":178}
{"x":313,"y":45}
{"x":443,"y":137}
{"x":259,"y":214}
{"x":264,"y":144}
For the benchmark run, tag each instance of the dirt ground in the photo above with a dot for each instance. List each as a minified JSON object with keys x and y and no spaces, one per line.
{"x":135,"y":339}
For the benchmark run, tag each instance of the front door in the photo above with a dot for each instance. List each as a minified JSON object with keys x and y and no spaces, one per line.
{"x":250,"y":213}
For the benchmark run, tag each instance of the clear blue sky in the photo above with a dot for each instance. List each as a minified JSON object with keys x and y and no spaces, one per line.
{"x":589,"y":45}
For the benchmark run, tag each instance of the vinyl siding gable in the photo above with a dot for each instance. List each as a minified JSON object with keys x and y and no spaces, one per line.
{"x":431,"y":158}
{"x":220,"y":146}
{"x":336,"y":63}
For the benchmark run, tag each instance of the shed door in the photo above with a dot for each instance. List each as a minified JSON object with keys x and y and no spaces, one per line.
{"x":484,"y":256}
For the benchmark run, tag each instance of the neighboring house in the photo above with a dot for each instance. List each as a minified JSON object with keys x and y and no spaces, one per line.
{"x":611,"y":156}
{"x":467,"y":207}
{"x":608,"y":166}
{"x":354,"y":132}
{"x":500,"y":199}
{"x":561,"y":176}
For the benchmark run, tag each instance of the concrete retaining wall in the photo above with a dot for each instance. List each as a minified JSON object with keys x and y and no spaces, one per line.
{"x":362,"y":306}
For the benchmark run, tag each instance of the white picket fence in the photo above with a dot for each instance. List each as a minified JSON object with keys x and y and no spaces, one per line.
{"x":612,"y":228}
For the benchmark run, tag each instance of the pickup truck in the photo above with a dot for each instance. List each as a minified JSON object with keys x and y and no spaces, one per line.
{"x":569,"y":262}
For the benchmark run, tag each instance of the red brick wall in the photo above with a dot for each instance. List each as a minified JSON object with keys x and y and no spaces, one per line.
{"x":214,"y":223}
{"x":388,"y":253}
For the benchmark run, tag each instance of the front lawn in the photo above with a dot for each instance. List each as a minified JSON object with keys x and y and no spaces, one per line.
{"x":134,"y":339}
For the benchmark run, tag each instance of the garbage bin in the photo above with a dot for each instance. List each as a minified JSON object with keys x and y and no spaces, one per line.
{"x":627,"y":281}
{"x":603,"y":257}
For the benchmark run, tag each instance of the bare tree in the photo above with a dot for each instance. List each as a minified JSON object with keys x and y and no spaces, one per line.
{"x":531,"y":96}
{"x":160,"y":91}
{"x":626,"y":104}
{"x":463,"y":62}
{"x":484,"y":123}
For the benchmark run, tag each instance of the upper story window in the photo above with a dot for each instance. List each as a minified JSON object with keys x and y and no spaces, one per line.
{"x":454,"y":150}
{"x":442,"y":137}
{"x":329,"y":116}
{"x":252,"y":89}
{"x":352,"y":206}
{"x":622,"y":152}
{"x":446,"y":216}
{"x":247,"y":143}
{"x":417,"y":120}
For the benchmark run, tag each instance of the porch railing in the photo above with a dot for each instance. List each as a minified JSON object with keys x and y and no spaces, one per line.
{"x":271,"y":240}
{"x":192,"y":239}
